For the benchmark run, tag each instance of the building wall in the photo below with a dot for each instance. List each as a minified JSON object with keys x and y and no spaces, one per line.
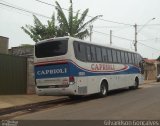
{"x":13,"y":74}
{"x":150,"y":71}
{"x":3,"y":45}
{"x":30,"y":76}
{"x":158,"y":69}
{"x":22,"y":51}
{"x":28,"y":53}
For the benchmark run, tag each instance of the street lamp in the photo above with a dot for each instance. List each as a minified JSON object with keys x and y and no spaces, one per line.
{"x":136,"y":32}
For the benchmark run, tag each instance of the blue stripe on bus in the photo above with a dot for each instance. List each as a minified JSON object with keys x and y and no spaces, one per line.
{"x":76,"y":70}
{"x":71,"y":69}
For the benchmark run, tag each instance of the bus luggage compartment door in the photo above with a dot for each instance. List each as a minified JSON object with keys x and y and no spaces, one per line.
{"x":52,"y":74}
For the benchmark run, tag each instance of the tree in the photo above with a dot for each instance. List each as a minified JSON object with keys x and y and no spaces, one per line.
{"x":26,"y":45}
{"x":73,"y":26}
{"x":39,"y":31}
{"x":158,"y":59}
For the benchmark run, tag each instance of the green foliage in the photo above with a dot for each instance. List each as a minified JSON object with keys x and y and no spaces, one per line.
{"x":26,"y":45}
{"x":158,"y":58}
{"x":39,"y":31}
{"x":73,"y":26}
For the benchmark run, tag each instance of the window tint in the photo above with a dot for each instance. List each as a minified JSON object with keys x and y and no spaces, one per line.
{"x":139,"y":58}
{"x":104,"y":55}
{"x":129,"y":58}
{"x":123,"y":57}
{"x":114,"y":55}
{"x":133,"y":59}
{"x":136,"y":60}
{"x":52,"y":48}
{"x":80,"y":51}
{"x":119,"y":56}
{"x":126,"y":57}
{"x":99,"y":55}
{"x":88,"y":52}
{"x":93,"y":53}
{"x":109,"y":55}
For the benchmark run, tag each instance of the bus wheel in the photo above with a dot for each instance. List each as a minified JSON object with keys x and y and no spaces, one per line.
{"x":103,"y":89}
{"x":136,"y":83}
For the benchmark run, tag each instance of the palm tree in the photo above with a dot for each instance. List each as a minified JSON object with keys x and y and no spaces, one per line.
{"x":39,"y":31}
{"x":73,"y":26}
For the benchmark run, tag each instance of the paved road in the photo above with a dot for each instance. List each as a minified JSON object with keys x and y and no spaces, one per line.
{"x":140,"y":104}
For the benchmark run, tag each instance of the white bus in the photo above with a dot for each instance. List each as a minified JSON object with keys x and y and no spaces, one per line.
{"x":74,"y":67}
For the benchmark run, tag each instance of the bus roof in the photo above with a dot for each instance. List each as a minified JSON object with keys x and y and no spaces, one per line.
{"x":84,"y":41}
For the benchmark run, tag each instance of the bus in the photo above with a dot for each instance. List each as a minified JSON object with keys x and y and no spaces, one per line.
{"x":72,"y":67}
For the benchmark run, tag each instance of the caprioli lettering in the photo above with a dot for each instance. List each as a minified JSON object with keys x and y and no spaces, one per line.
{"x":52,"y":71}
{"x":102,"y":67}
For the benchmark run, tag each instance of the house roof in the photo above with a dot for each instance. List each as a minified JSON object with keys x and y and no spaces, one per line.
{"x":151,"y":61}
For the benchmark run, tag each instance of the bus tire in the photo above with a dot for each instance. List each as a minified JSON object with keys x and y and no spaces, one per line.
{"x":136,"y":83}
{"x":103,"y":89}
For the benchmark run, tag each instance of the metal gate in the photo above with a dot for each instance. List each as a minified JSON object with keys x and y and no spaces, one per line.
{"x":13,"y":74}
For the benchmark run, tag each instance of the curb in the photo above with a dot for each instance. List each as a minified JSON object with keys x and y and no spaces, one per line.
{"x":9,"y":110}
{"x":149,"y":81}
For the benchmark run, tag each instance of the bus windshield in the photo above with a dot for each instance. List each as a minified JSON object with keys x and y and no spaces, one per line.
{"x":51,"y":48}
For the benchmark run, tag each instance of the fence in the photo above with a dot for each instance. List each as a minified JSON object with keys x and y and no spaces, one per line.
{"x":13,"y":74}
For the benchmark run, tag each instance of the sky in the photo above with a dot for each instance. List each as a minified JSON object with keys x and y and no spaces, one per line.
{"x":127,"y":12}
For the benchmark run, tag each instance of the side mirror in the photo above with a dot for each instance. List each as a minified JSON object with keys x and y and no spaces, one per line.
{"x":141,"y":65}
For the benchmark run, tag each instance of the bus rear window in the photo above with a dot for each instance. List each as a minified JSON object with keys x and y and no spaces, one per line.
{"x":52,"y":48}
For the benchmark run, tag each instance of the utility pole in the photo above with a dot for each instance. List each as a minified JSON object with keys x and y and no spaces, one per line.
{"x":90,"y":34}
{"x":136,"y":32}
{"x":135,"y":41}
{"x":110,"y":37}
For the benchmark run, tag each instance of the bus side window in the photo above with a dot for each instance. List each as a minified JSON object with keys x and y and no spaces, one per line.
{"x":139,"y":58}
{"x":93,"y":53}
{"x":81,"y":52}
{"x":129,"y":58}
{"x":133,"y":59}
{"x":109,"y":53}
{"x":104,"y":55}
{"x":75,"y":45}
{"x":136,"y":59}
{"x":99,"y":54}
{"x":119,"y":56}
{"x":126,"y":57}
{"x":123,"y":57}
{"x":114,"y":55}
{"x":88,"y":53}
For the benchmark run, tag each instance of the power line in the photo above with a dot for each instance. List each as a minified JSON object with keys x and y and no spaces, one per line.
{"x":38,"y":14}
{"x":24,"y":10}
{"x":112,"y":26}
{"x":113,"y":36}
{"x":31,"y":12}
{"x":16,"y":11}
{"x":87,"y":15}
{"x":151,"y":39}
{"x":150,"y":25}
{"x":126,"y":40}
{"x":148,"y":46}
